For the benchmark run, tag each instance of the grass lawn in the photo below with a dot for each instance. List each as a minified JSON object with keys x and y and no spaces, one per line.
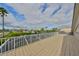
{"x":19,"y":33}
{"x":13,"y":34}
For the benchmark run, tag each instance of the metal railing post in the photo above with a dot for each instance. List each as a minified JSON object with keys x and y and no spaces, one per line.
{"x":8,"y":45}
{"x":18,"y":42}
{"x":30,"y":39}
{"x":1,"y":46}
{"x":14,"y":45}
{"x":22,"y":40}
{"x":38,"y":36}
{"x":26,"y":41}
{"x":5,"y":47}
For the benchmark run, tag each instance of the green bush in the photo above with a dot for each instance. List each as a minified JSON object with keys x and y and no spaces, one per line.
{"x":2,"y":41}
{"x":13,"y":34}
{"x":20,"y":33}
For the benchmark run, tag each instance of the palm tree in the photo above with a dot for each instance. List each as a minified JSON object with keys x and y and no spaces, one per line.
{"x":42,"y":29}
{"x":3,"y":12}
{"x":46,"y":27}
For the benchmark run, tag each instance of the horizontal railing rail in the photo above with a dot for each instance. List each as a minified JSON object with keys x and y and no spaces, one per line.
{"x":15,"y":42}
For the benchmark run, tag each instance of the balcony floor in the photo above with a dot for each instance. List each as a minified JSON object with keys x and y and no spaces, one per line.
{"x":59,"y":45}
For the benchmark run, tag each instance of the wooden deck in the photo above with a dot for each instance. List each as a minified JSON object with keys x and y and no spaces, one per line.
{"x":70,"y":46}
{"x":59,"y":45}
{"x":49,"y":46}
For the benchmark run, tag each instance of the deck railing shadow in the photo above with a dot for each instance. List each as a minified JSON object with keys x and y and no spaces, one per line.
{"x":15,"y":42}
{"x":70,"y":46}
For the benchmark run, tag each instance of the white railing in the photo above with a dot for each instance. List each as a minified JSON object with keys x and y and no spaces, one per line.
{"x":15,"y":42}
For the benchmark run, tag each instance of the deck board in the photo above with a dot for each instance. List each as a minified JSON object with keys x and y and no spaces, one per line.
{"x":58,"y":45}
{"x":49,"y":46}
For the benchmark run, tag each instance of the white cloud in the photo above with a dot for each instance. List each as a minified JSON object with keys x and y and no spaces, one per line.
{"x":34,"y":17}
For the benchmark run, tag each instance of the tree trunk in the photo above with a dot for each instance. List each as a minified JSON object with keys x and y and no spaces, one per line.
{"x":3,"y":25}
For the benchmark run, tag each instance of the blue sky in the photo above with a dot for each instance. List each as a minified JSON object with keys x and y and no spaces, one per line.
{"x":13,"y":11}
{"x":37,"y":15}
